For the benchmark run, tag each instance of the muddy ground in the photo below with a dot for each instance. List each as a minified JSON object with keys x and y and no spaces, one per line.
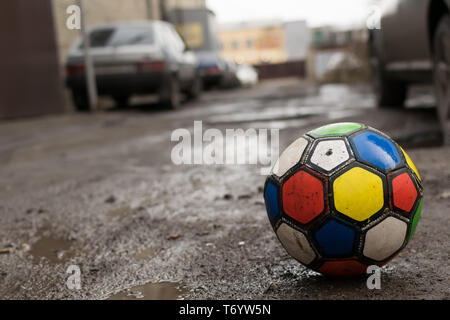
{"x":99,"y":191}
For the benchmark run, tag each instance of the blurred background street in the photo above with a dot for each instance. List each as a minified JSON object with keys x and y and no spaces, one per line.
{"x":91,"y":183}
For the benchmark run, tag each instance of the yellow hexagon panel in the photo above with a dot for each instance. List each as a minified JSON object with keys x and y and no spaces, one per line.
{"x":410,"y":163}
{"x":358,"y":193}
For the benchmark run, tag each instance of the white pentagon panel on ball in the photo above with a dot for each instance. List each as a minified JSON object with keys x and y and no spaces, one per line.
{"x":385,"y":238}
{"x":296,"y":244}
{"x":329,"y":154}
{"x":290,"y":157}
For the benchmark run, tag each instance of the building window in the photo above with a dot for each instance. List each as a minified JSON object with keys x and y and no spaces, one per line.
{"x":318,"y":37}
{"x":249,"y":43}
{"x":235,"y":45}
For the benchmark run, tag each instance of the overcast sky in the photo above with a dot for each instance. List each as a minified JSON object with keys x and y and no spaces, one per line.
{"x":316,"y":12}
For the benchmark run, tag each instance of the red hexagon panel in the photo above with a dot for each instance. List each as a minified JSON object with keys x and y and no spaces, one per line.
{"x":303,"y":196}
{"x":404,"y":192}
{"x":341,"y":268}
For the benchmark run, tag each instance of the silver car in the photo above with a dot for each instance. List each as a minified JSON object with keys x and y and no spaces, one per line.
{"x":412,"y":46}
{"x":135,"y":58}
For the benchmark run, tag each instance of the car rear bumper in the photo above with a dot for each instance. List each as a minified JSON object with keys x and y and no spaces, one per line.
{"x":213,"y":79}
{"x":121,"y":84}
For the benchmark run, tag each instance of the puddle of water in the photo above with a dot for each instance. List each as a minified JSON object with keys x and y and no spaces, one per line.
{"x":267,"y":114}
{"x":152,"y":291}
{"x":334,"y":115}
{"x":146,"y":253}
{"x":51,"y":248}
{"x":120,"y":212}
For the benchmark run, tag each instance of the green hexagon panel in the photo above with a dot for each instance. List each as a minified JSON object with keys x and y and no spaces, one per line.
{"x":336,"y":129}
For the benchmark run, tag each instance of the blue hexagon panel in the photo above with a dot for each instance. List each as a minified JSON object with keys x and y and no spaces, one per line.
{"x":336,"y":238}
{"x":376,"y":150}
{"x":271,"y":197}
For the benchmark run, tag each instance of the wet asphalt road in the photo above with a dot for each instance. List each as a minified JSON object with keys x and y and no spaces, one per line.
{"x":99,"y":191}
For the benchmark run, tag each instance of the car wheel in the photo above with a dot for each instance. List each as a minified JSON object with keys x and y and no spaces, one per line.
{"x":170,"y":93}
{"x":441,"y":71}
{"x":81,"y":101}
{"x":195,"y":89}
{"x":390,"y":93}
{"x":121,"y":100}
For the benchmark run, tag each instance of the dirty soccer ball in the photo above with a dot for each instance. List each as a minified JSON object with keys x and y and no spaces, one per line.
{"x":342,"y":197}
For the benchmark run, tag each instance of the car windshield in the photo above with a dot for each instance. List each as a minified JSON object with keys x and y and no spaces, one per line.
{"x":99,"y":38}
{"x":120,"y":36}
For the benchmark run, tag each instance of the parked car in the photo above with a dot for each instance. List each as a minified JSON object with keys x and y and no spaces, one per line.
{"x":230,"y":79}
{"x":212,"y":68}
{"x":135,"y":58}
{"x":247,"y":75}
{"x":412,"y":46}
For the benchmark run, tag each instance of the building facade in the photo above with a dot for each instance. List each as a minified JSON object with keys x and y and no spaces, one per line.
{"x":267,"y":42}
{"x":253,"y":43}
{"x":30,"y":82}
{"x":197,"y":27}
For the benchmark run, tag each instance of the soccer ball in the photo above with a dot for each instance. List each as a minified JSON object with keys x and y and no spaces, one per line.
{"x":342,"y":197}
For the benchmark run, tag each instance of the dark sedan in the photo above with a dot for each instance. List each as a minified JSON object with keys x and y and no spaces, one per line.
{"x":135,"y":58}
